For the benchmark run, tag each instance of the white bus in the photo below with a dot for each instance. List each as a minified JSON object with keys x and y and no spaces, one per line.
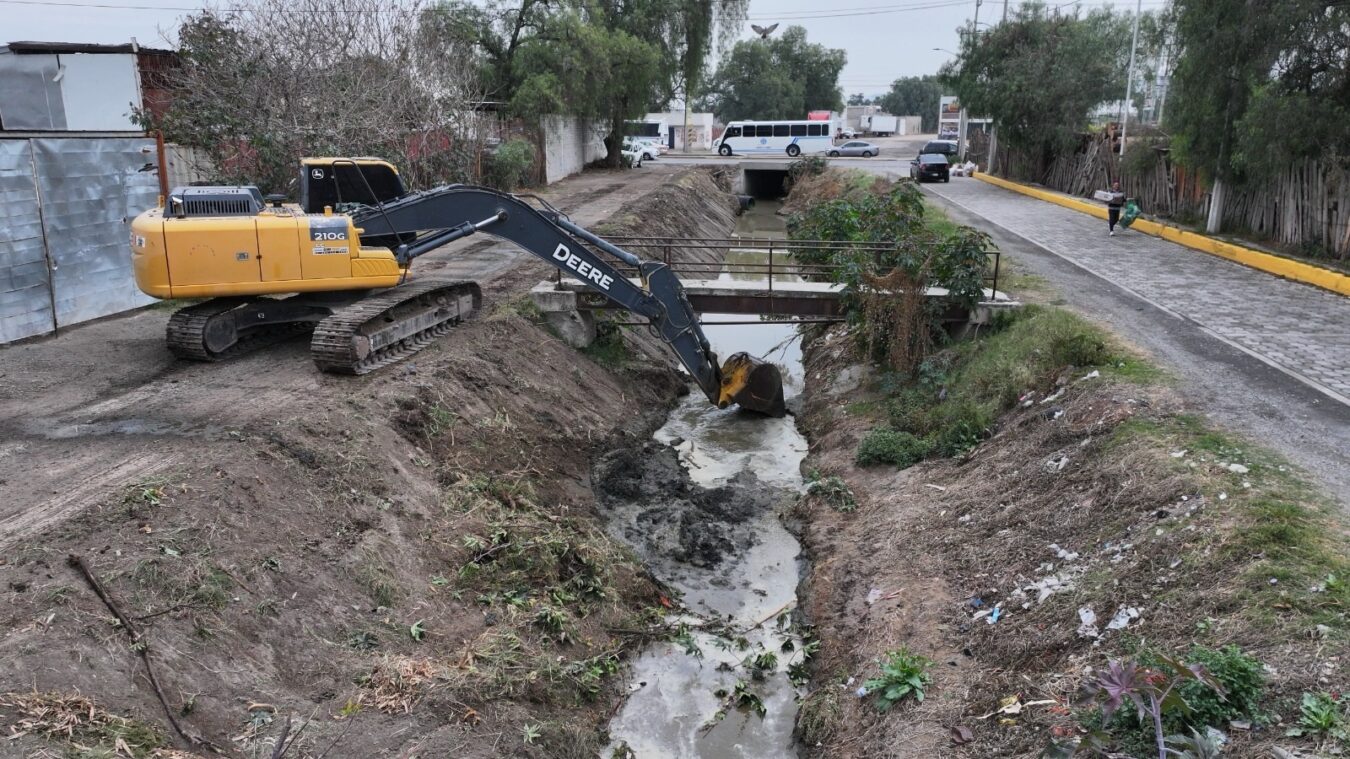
{"x":791,"y":137}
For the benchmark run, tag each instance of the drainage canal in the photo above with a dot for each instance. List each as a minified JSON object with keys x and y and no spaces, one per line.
{"x":702,"y":503}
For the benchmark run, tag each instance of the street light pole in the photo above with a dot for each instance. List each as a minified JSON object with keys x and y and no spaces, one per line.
{"x":961,"y":128}
{"x":1129,"y":78}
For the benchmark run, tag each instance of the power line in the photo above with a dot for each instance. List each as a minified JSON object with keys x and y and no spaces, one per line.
{"x":879,"y":12}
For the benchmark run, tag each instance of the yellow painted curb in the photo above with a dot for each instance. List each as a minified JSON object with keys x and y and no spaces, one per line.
{"x":1298,"y":271}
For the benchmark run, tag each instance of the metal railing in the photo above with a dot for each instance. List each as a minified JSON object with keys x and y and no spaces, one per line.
{"x":780,"y":263}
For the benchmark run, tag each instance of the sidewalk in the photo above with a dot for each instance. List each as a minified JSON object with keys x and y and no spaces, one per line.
{"x":1301,"y":330}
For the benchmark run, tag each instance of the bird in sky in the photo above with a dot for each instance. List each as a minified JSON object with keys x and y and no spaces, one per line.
{"x":764,"y":31}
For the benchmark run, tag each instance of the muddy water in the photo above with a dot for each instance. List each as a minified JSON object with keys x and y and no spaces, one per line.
{"x":702,"y":504}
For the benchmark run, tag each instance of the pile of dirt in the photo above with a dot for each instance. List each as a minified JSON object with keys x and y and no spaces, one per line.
{"x":1082,"y":530}
{"x":405,"y":563}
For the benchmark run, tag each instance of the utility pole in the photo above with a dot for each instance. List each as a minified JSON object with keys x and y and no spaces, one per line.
{"x":1129,"y":78}
{"x":1005,"y":11}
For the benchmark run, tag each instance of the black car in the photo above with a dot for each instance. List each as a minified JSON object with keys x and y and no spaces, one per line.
{"x":930,"y":166}
{"x":943,"y":147}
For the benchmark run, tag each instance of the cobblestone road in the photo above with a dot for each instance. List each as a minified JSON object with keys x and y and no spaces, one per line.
{"x":1300,"y":329}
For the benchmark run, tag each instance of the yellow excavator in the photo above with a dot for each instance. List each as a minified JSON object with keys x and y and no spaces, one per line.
{"x":337,"y":264}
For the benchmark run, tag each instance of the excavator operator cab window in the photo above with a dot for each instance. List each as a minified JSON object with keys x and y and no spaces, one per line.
{"x":339,"y":183}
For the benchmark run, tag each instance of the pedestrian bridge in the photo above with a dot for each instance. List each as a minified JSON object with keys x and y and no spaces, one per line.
{"x":760,"y":278}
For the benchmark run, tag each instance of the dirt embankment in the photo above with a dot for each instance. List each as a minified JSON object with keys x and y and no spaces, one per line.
{"x":404,"y":564}
{"x":1095,"y":495}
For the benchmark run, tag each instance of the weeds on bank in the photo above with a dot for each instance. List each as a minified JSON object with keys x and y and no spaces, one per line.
{"x":904,"y":674}
{"x":953,"y":400}
{"x":832,"y":489}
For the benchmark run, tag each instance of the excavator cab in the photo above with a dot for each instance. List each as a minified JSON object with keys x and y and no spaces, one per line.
{"x":340,"y":182}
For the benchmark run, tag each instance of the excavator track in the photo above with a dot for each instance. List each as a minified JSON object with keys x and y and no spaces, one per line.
{"x":385,"y":328}
{"x":192,"y":330}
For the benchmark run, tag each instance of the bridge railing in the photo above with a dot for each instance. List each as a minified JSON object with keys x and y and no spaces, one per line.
{"x":780,"y":261}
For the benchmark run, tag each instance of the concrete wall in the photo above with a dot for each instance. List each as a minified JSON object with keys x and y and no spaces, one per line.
{"x":569,"y":144}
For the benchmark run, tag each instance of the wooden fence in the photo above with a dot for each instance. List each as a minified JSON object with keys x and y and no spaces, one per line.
{"x":1305,"y":209}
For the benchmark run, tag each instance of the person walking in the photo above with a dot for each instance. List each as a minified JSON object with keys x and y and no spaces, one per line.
{"x":1114,"y":203}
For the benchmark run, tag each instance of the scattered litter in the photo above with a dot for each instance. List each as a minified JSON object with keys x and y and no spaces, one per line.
{"x":1063,"y":553}
{"x":964,"y":519}
{"x":983,"y":613}
{"x":860,"y":693}
{"x":1175,"y":563}
{"x":994,"y":616}
{"x":962,"y":735}
{"x":1094,"y":374}
{"x":1012,"y":705}
{"x":1178,"y":454}
{"x":935,"y":487}
{"x":1087,"y":627}
{"x":1223,"y":496}
{"x":1053,"y":413}
{"x":975,"y":602}
{"x":1053,"y":397}
{"x":1048,"y":586}
{"x":1057,"y":464}
{"x":1239,"y":724}
{"x":1274,"y":581}
{"x":1235,"y":468}
{"x":1246,"y":485}
{"x":1123,"y":618}
{"x":875,"y":595}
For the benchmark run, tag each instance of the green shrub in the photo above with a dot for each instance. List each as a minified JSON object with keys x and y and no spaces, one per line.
{"x":510,"y":166}
{"x":1242,"y":677}
{"x":884,"y":445}
{"x":904,"y":674}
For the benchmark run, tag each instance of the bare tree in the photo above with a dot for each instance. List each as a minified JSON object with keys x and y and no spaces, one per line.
{"x":263,"y":84}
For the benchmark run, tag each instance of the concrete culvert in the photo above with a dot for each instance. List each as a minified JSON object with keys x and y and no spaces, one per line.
{"x":768,"y":184}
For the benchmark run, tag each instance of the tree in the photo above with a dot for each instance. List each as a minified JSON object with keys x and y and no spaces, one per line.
{"x":607,"y":60}
{"x":260,"y":86}
{"x":1040,"y":75}
{"x":1260,"y":83}
{"x":781,"y":78}
{"x":914,"y":96}
{"x":858,"y":98}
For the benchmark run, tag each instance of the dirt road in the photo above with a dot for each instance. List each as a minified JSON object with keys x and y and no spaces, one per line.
{"x":104,"y":405}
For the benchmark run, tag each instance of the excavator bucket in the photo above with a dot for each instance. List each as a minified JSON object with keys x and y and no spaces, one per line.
{"x":752,"y":384}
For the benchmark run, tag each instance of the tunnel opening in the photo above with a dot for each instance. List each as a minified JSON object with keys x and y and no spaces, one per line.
{"x":766,"y":184}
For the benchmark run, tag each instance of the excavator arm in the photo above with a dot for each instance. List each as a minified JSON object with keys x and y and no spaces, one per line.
{"x":449,"y":213}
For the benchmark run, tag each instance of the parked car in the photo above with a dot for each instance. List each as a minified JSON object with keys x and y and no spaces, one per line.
{"x":943,"y":147}
{"x":648,"y":151}
{"x":855,"y":148}
{"x":850,"y":134}
{"x":930,"y":166}
{"x":632,"y":158}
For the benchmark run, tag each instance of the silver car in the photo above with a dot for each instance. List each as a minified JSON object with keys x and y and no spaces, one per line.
{"x":854,"y":148}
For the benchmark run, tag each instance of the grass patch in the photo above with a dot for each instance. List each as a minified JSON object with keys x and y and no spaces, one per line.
{"x":937,"y":219}
{"x":958,"y":394}
{"x":1277,"y":527}
{"x":379,"y":582}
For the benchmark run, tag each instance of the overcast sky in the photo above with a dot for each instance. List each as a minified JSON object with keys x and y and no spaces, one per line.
{"x":884,"y":39}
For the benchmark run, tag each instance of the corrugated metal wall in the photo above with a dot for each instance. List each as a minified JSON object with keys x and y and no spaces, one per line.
{"x":65,"y":209}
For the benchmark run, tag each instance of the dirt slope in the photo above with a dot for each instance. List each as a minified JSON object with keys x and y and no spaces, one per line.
{"x":1097,"y":493}
{"x":406,"y":558}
